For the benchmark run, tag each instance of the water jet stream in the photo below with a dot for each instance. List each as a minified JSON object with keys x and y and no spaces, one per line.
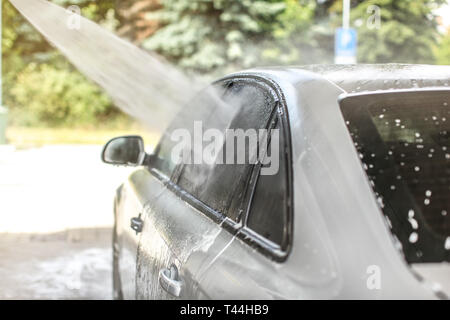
{"x":140,"y":83}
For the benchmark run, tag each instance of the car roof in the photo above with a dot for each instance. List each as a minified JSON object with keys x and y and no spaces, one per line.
{"x":373,"y":77}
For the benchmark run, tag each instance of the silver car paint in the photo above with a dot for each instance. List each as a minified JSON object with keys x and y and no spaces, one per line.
{"x":173,"y":232}
{"x":128,"y":206}
{"x":339,"y":229}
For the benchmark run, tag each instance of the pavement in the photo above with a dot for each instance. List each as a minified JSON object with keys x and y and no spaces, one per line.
{"x":56,"y":214}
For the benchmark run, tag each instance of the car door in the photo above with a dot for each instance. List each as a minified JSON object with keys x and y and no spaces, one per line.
{"x":251,"y":266}
{"x":170,"y":225}
{"x":195,"y":209}
{"x":129,"y":204}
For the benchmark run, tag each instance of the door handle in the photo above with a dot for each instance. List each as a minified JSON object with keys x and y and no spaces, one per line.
{"x":170,"y":280}
{"x":137,"y":224}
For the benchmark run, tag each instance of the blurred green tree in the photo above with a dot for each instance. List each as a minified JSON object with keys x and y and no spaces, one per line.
{"x":302,"y":35}
{"x":225,"y":35}
{"x":443,"y":50}
{"x":55,"y":96}
{"x":23,"y":46}
{"x":218,"y":36}
{"x":406,"y":32}
{"x":213,"y":34}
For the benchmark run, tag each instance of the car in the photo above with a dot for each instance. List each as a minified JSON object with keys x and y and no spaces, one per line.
{"x":357,"y":208}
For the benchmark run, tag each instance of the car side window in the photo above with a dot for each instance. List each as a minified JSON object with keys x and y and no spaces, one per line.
{"x":222,"y":186}
{"x":268,"y":214}
{"x":199,"y":109}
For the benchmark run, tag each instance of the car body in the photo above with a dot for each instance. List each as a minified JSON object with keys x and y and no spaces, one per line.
{"x":331,"y":239}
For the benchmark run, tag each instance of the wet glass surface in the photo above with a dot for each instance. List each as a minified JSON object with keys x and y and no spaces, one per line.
{"x":403,"y":142}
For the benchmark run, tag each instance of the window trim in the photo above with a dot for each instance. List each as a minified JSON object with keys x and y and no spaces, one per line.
{"x":240,"y":229}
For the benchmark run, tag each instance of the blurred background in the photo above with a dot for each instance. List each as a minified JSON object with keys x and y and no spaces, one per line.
{"x":55,"y":194}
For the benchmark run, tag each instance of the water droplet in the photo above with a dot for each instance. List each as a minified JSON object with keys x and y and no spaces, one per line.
{"x":447,"y":156}
{"x":428,"y":193}
{"x":417,"y":135}
{"x":444,"y":213}
{"x":392,"y":187}
{"x":411,"y":213}
{"x":413,"y":237}
{"x":380,"y":202}
{"x":436,"y":287}
{"x":426,"y":201}
{"x":398,"y":120}
{"x":381,"y":116}
{"x":447,"y":243}
{"x":416,"y":168}
{"x":388,"y":221}
{"x":413,"y":223}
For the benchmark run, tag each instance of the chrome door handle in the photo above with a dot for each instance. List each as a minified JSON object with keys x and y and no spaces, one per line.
{"x":136,"y":224}
{"x":170,"y":281}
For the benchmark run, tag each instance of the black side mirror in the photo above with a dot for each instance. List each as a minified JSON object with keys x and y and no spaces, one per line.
{"x":127,"y":150}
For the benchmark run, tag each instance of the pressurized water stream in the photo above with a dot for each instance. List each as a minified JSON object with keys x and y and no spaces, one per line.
{"x":140,"y":83}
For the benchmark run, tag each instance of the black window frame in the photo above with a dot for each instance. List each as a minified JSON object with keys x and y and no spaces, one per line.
{"x":240,"y":229}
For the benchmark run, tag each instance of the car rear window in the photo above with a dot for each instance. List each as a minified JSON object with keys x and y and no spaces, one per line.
{"x":403,"y":143}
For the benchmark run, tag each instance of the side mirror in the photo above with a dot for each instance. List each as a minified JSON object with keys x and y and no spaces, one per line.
{"x":127,"y":150}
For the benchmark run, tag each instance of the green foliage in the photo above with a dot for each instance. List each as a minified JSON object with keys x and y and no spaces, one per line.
{"x":46,"y":95}
{"x":407,"y":33}
{"x":443,"y":50}
{"x":39,"y":85}
{"x":210,"y":34}
{"x":212,"y":37}
{"x":298,"y":37}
